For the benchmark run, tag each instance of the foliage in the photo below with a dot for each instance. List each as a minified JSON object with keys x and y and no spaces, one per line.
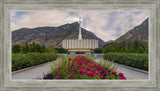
{"x":140,"y":50}
{"x":131,"y":59}
{"x":61,"y":50}
{"x":98,"y":50}
{"x":20,"y":61}
{"x":127,"y":47}
{"x":82,"y":67}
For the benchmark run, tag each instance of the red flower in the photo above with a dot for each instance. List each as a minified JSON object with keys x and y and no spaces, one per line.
{"x":80,"y":72}
{"x":135,"y":59}
{"x":73,"y":72}
{"x":96,"y":72}
{"x":91,"y":74}
{"x":59,"y":68}
{"x":88,"y":68}
{"x":81,"y":67}
{"x":78,"y":66}
{"x":69,"y":59}
{"x":114,"y":72}
{"x":66,"y":68}
{"x":123,"y":78}
{"x":84,"y":72}
{"x":58,"y":77}
{"x":120,"y":74}
{"x":70,"y":76}
{"x":101,"y":76}
{"x":106,"y":71}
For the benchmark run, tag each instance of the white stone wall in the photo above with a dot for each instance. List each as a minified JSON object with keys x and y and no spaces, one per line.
{"x":80,"y":44}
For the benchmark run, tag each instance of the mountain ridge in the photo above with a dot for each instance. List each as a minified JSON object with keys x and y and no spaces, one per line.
{"x":52,"y":35}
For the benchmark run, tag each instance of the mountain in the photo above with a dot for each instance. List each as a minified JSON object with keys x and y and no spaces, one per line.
{"x":139,"y":32}
{"x":52,"y":35}
{"x":109,"y":41}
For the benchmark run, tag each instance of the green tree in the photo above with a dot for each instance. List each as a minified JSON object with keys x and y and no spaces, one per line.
{"x":109,"y":48}
{"x":131,"y":48}
{"x":20,"y":48}
{"x":121,"y":50}
{"x":34,"y":49}
{"x":43,"y":48}
{"x":98,"y":50}
{"x":26,"y":48}
{"x":51,"y":49}
{"x":146,"y":50}
{"x":140,"y":50}
{"x":126,"y":49}
{"x":15,"y":48}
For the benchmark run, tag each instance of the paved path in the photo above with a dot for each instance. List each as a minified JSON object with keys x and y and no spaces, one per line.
{"x":34,"y":72}
{"x":39,"y":71}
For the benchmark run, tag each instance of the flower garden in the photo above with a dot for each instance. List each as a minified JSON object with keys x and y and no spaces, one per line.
{"x":83,"y":67}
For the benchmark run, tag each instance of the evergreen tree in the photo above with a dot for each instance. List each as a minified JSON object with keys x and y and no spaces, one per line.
{"x":140,"y":50}
{"x":131,"y":48}
{"x":146,"y":50}
{"x":20,"y":48}
{"x":109,"y":48}
{"x":43,"y":48}
{"x":26,"y":48}
{"x":15,"y":48}
{"x":126,"y":49}
{"x":98,"y":50}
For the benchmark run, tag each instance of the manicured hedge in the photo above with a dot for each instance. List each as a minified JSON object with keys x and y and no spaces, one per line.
{"x":20,"y":61}
{"x":131,"y":59}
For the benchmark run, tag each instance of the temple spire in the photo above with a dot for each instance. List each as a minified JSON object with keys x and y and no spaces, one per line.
{"x":80,"y":35}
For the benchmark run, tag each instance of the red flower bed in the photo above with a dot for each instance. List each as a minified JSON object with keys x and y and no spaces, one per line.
{"x":82,"y":67}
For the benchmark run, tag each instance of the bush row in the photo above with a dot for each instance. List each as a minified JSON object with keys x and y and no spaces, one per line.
{"x":20,"y":61}
{"x":130,"y":59}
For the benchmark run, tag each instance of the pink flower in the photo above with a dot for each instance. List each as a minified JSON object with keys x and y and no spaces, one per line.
{"x":88,"y":68}
{"x":101,"y":76}
{"x":106,"y":71}
{"x":73,"y":72}
{"x":70,"y":76}
{"x":120,"y":74}
{"x":66,"y":68}
{"x":135,"y":59}
{"x":98,"y":66}
{"x":123,"y":78}
{"x":81,"y":67}
{"x":106,"y":68}
{"x":101,"y":69}
{"x":114,"y":72}
{"x":58,"y":71}
{"x":80,"y":72}
{"x":84,"y":72}
{"x":58,"y":77}
{"x":78,"y":66}
{"x":59,"y":68}
{"x":91,"y":74}
{"x":96,"y":72}
{"x":69,"y":59}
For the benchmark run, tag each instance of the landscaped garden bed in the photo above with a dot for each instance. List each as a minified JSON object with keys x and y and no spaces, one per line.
{"x":82,"y":67}
{"x":20,"y":61}
{"x":130,"y":59}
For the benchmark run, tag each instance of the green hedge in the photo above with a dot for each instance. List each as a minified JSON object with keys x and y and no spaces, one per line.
{"x":20,"y":61}
{"x":131,"y":59}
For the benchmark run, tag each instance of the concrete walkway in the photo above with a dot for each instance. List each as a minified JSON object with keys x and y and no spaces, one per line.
{"x":32,"y":72}
{"x":40,"y":70}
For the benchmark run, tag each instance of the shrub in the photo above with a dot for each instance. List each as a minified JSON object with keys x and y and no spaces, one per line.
{"x":98,"y":50}
{"x":20,"y":61}
{"x":131,"y":59}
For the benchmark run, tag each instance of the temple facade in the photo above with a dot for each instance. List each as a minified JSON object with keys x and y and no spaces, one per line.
{"x":75,"y":46}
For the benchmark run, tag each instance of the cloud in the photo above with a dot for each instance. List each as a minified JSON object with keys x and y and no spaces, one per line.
{"x":105,"y":25}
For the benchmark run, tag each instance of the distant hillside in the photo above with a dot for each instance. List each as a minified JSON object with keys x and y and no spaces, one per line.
{"x":52,"y":35}
{"x":139,"y":32}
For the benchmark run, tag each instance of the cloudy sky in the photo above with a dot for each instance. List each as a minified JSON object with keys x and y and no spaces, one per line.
{"x":105,"y":25}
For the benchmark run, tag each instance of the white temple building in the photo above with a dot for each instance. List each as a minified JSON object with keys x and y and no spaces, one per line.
{"x":80,"y":45}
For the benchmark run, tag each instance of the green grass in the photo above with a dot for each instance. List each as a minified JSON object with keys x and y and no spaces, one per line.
{"x":130,"y":59}
{"x":20,"y":61}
